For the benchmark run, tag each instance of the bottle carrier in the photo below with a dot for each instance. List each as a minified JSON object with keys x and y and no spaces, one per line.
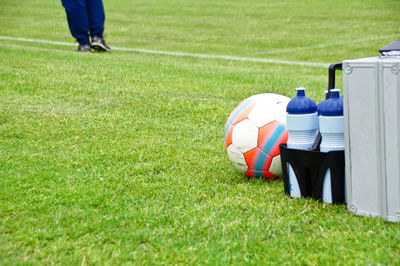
{"x":310,"y":166}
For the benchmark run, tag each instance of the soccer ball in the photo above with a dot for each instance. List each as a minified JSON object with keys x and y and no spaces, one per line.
{"x":253,"y":133}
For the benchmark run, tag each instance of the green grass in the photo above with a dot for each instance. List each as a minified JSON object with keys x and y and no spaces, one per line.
{"x":119,"y":158}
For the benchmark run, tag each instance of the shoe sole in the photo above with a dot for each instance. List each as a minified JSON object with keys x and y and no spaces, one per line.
{"x":100,"y":47}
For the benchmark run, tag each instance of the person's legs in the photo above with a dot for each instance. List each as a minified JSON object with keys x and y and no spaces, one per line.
{"x":96,"y":17}
{"x":77,"y":19}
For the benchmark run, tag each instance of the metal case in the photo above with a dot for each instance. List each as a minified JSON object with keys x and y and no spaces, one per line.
{"x":371,"y":89}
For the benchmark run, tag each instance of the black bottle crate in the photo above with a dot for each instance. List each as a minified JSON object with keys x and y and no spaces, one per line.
{"x":310,"y":167}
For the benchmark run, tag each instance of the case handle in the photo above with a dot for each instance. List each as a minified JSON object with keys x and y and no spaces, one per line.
{"x":332,"y":71}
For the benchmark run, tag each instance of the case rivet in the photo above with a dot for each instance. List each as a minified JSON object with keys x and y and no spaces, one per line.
{"x":353,"y":208}
{"x":348,"y":69}
{"x":398,"y":214}
{"x":395,"y":69}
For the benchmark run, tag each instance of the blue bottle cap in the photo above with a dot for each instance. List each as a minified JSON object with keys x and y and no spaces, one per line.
{"x":332,"y":106}
{"x":326,"y":95}
{"x":301,"y":104}
{"x":326,"y":98}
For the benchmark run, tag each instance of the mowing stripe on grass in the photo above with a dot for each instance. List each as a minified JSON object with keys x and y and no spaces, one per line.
{"x":206,"y":56}
{"x":325,"y":45}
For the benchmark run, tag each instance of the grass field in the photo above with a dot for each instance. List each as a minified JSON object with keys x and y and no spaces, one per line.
{"x":119,"y":158}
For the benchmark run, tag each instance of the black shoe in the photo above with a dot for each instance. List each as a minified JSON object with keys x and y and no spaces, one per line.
{"x":84,"y":48}
{"x":99,"y":44}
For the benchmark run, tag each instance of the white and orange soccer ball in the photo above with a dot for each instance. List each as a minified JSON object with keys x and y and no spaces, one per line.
{"x":253,"y":133}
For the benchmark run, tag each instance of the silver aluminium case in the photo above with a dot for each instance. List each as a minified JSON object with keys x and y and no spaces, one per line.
{"x":371,"y":89}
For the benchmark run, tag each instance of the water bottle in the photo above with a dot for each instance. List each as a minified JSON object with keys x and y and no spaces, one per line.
{"x":302,"y":126}
{"x":326,"y":98}
{"x":331,"y":126}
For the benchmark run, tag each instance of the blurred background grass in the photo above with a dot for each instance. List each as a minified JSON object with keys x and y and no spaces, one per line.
{"x":119,"y":158}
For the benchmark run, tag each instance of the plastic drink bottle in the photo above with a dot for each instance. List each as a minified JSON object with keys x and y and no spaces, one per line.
{"x":326,"y":98}
{"x":302,"y":125}
{"x":331,"y":126}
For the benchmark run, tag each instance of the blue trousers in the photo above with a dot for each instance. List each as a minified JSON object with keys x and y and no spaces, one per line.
{"x":85,"y":17}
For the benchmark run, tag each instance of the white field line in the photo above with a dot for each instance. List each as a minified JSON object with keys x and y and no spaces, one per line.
{"x":206,"y":56}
